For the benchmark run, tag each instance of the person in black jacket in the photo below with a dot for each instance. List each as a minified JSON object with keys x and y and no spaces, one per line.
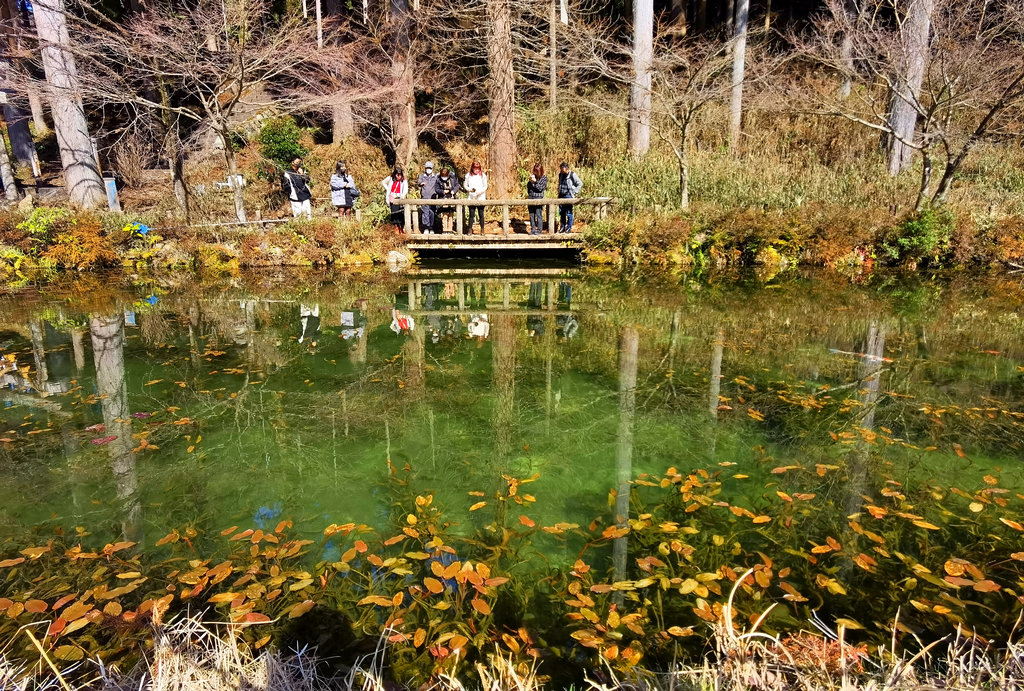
{"x":295,"y":183}
{"x":447,"y":188}
{"x":535,"y":189}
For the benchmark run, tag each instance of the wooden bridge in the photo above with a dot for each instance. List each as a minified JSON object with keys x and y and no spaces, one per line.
{"x":506,"y":237}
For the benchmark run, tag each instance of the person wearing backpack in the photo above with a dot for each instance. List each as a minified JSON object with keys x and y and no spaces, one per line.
{"x":295,"y":183}
{"x":535,"y":188}
{"x":569,"y":186}
{"x":343,"y":190}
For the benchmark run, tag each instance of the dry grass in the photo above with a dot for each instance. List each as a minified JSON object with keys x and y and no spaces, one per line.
{"x":189,"y":655}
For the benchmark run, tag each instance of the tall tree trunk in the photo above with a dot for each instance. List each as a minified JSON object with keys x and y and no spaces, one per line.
{"x":232,"y":166}
{"x":111,"y":385}
{"x":35,"y":105}
{"x":846,"y":56}
{"x":702,"y":14}
{"x":553,"y":54}
{"x":343,"y":123}
{"x":903,"y":116}
{"x":629,"y":344}
{"x":640,"y":92}
{"x":739,"y":57}
{"x":82,"y":177}
{"x":319,"y":25}
{"x":730,"y":16}
{"x":7,"y":174}
{"x":502,"y":99}
{"x":22,"y":145}
{"x":403,"y":115}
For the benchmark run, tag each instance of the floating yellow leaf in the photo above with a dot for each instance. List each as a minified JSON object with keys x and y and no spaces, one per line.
{"x":300,"y":609}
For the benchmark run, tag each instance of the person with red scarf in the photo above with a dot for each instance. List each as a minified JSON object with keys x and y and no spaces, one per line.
{"x":396,"y":187}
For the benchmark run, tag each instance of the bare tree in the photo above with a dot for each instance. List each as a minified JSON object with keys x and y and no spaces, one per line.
{"x":640,"y":91}
{"x":914,"y":31}
{"x":739,"y":65}
{"x":688,"y":75}
{"x":81,"y":170}
{"x":262,"y":60}
{"x":972,"y":87}
{"x":501,"y":97}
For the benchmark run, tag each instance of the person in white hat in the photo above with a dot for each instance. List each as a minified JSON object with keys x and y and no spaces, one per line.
{"x":428,"y":190}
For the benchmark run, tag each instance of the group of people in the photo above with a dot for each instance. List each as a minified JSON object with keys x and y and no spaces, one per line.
{"x":296,"y":183}
{"x":446,"y":186}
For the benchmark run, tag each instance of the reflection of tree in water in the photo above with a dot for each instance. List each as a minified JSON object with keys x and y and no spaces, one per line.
{"x":629,"y":341}
{"x":108,"y":356}
{"x":869,"y":372}
{"x":503,"y":363}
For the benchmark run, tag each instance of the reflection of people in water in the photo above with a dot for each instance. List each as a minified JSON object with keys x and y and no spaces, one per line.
{"x":353,"y":324}
{"x":402,"y":323}
{"x":430,"y":295}
{"x":535,"y":323}
{"x":565,"y":293}
{"x":451,"y":327}
{"x":479,"y":327}
{"x":434,"y":326}
{"x":566,"y":326}
{"x":310,"y":319}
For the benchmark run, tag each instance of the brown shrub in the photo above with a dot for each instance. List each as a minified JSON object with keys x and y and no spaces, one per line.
{"x":81,"y":244}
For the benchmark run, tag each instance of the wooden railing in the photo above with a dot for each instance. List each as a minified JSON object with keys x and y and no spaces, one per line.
{"x":412,"y":217}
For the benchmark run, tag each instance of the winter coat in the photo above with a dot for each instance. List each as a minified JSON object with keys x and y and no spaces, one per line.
{"x":343,"y":190}
{"x":569,"y":185}
{"x":476,"y":186}
{"x":428,"y":185}
{"x":296,"y":186}
{"x":386,"y":183}
{"x":535,"y":188}
{"x":446,"y":190}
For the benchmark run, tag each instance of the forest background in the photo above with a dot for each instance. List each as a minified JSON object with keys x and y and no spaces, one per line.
{"x":830,"y":132}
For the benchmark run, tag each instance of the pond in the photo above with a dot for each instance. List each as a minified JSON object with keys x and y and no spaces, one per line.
{"x":134,"y":406}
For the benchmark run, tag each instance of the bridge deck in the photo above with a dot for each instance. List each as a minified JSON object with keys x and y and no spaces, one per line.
{"x":494,"y":241}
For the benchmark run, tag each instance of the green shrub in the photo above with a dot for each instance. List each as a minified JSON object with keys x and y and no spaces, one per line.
{"x":42,"y":224}
{"x":924,"y":235}
{"x":280,"y":141}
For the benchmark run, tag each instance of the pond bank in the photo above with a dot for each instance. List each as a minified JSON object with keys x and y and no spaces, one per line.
{"x":48,"y":240}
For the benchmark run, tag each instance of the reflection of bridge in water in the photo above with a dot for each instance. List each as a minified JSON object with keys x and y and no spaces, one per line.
{"x":470,"y":291}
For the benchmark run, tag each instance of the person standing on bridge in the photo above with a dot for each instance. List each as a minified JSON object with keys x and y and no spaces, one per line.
{"x":428,"y":190}
{"x":569,"y":186}
{"x":396,"y":187}
{"x":535,"y":188}
{"x":447,"y":188}
{"x":476,"y":189}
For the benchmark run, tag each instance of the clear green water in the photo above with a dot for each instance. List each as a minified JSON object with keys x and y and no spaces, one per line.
{"x":273,"y":427}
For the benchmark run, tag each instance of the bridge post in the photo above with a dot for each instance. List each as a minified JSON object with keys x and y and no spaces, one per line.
{"x":552,"y":218}
{"x":407,"y":212}
{"x":459,"y":213}
{"x":504,"y":219}
{"x":416,"y":220}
